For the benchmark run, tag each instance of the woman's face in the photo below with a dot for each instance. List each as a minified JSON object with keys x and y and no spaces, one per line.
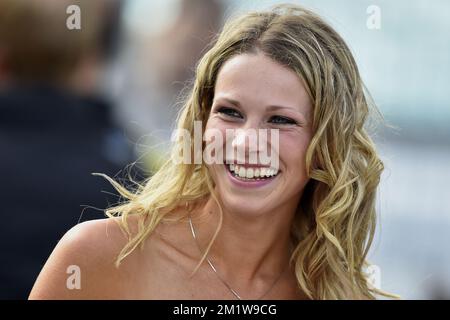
{"x":254,"y":92}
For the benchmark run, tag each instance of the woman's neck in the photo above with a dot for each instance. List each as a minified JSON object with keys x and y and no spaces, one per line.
{"x":248,"y":248}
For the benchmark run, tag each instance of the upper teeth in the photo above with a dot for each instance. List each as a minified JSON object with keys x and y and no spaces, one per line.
{"x":250,"y":173}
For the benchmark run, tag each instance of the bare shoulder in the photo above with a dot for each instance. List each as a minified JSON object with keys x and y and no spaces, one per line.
{"x":82,"y":265}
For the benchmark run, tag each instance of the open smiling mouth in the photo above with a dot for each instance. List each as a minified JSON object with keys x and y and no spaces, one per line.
{"x":251,"y":174}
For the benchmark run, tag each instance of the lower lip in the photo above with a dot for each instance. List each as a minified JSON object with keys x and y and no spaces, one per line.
{"x":249,"y":184}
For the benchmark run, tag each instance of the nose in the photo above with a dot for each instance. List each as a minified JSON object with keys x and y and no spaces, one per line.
{"x":240,"y":138}
{"x":247,"y":134}
{"x":249,"y":144}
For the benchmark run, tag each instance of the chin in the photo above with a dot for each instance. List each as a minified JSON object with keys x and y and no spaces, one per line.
{"x":247,"y":206}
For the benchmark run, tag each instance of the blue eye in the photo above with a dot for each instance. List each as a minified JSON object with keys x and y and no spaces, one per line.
{"x":282,"y":120}
{"x":229,"y":112}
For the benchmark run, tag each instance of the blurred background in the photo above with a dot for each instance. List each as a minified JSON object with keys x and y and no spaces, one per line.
{"x":73,"y":102}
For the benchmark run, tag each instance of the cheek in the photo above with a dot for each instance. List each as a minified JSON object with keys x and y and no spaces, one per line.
{"x":220,"y":126}
{"x":293,"y":149}
{"x":217,"y":124}
{"x":211,"y":122}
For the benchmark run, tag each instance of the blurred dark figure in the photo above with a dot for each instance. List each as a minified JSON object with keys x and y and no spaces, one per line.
{"x":181,"y":45}
{"x":55,"y":130}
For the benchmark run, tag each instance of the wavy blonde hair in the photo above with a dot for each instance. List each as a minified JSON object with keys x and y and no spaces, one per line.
{"x":336,"y":218}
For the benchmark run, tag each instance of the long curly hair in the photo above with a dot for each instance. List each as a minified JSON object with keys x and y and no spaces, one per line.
{"x":335,"y":222}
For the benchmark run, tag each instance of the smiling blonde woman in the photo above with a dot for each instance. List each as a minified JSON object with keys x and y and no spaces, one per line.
{"x":247,"y":231}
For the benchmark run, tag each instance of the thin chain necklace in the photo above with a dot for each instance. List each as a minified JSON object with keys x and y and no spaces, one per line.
{"x":223,"y":280}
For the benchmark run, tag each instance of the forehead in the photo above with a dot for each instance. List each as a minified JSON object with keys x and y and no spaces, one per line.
{"x":255,"y":79}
